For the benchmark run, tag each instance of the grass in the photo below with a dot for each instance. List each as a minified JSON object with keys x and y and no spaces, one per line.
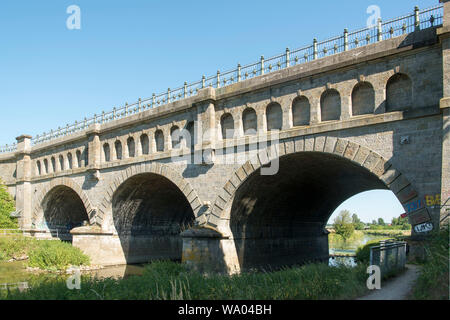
{"x":388,"y":233}
{"x":43,"y":254}
{"x":336,"y":240}
{"x":433,"y":281}
{"x":172,"y":281}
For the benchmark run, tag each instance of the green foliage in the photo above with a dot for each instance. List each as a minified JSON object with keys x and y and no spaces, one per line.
{"x":363,"y":252}
{"x":381,"y":222}
{"x":56,"y":254}
{"x":343,"y":225}
{"x":6,"y":208}
{"x":357,"y":223}
{"x":433,"y":281}
{"x":172,"y":281}
{"x":44,"y":254}
{"x":12,"y":246}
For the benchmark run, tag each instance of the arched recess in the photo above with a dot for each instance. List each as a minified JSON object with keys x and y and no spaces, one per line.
{"x":363,"y":99}
{"x":301,"y":111}
{"x":227,"y":126}
{"x":399,"y":93}
{"x":155,"y":168}
{"x":278,"y":220}
{"x":330,"y":105}
{"x":69,"y":185}
{"x":274,"y":117}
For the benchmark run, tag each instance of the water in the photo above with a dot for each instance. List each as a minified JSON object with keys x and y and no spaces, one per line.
{"x":342,"y":249}
{"x":14,"y":273}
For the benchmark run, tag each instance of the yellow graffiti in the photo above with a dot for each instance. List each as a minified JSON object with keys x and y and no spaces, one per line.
{"x":433,"y":200}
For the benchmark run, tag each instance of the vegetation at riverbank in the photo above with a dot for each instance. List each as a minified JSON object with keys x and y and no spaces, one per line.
{"x":433,"y":281}
{"x":6,"y":208}
{"x":43,"y":254}
{"x":173,"y":281}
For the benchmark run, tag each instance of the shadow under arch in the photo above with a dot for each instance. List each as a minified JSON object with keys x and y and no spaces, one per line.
{"x":62,"y":210}
{"x":149,"y":213}
{"x":279,"y":220}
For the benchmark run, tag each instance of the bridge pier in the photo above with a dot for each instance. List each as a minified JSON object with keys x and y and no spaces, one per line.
{"x":210,"y":251}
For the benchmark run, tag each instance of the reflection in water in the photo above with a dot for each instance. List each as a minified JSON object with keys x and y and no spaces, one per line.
{"x":342,"y":249}
{"x":16,"y":272}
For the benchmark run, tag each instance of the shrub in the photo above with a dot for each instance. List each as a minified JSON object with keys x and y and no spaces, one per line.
{"x":56,"y":254}
{"x":6,"y":207}
{"x":433,"y":281}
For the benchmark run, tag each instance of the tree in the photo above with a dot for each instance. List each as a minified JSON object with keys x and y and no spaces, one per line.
{"x":381,"y":222}
{"x":343,"y":225}
{"x":357,"y":223}
{"x":6,"y":208}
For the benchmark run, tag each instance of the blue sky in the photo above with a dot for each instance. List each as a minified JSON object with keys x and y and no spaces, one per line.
{"x":51,"y":76}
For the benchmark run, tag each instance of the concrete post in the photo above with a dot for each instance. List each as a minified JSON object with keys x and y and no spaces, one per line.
{"x":23,"y":178}
{"x":444,"y":34}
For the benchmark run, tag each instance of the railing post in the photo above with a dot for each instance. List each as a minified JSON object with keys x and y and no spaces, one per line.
{"x":315,"y":49}
{"x":288,"y":54}
{"x":139,"y":104}
{"x":345,"y":39}
{"x":153,"y":100}
{"x":185,"y":89}
{"x":95,"y":118}
{"x":262,"y":65}
{"x":84,"y":123}
{"x":379,"y":30}
{"x":218,"y":78}
{"x":114,"y":113}
{"x":239,"y":72}
{"x":416,"y":19}
{"x":203,"y":81}
{"x":126,"y":109}
{"x":103,"y":117}
{"x":168,"y":95}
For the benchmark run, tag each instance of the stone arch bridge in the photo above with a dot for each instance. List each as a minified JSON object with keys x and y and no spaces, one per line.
{"x":246,"y":175}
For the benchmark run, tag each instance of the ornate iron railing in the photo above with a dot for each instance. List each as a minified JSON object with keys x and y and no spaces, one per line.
{"x":419,"y":19}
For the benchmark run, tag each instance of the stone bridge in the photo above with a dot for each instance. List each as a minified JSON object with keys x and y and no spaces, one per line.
{"x":245,"y":171}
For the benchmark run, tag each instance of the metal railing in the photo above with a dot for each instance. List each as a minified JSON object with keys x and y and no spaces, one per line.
{"x":419,"y":19}
{"x":390,"y":256}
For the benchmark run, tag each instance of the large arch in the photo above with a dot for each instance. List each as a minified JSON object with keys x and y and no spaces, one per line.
{"x":155,"y":168}
{"x":279,"y":220}
{"x":63,"y":205}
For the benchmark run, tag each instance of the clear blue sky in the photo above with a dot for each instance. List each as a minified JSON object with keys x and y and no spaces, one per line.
{"x":51,"y":76}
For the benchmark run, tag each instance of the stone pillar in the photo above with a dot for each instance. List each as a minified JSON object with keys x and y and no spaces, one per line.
{"x":23,"y":181}
{"x":94,"y":146}
{"x":315,"y":116}
{"x":206,"y":125}
{"x":444,"y":34}
{"x":208,"y":251}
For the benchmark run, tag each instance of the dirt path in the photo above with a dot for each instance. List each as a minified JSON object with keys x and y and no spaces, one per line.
{"x":397,"y":288}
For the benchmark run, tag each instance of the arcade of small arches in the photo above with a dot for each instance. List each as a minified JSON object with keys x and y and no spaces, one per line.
{"x":398,"y":97}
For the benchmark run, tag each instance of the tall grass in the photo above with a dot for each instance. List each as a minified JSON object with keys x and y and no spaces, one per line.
{"x":172,"y":281}
{"x":44,"y":254}
{"x":433,"y":281}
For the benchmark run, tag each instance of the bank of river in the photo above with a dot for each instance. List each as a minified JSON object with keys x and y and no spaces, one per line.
{"x":12,"y":273}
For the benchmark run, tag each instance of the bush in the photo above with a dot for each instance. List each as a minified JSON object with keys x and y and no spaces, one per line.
{"x":433,"y":281}
{"x":56,"y":255}
{"x":363,"y":252}
{"x":6,"y":208}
